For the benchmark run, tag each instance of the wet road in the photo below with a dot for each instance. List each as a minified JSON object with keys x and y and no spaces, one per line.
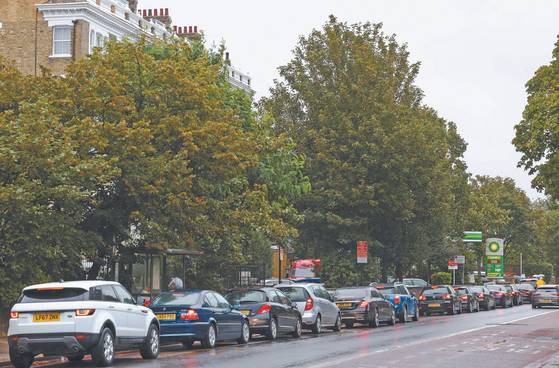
{"x":516,"y":337}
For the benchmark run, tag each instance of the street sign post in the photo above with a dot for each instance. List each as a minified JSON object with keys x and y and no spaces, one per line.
{"x":362,"y":251}
{"x":452,"y":265}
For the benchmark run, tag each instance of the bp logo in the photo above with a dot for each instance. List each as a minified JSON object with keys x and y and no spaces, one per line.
{"x":494,"y":247}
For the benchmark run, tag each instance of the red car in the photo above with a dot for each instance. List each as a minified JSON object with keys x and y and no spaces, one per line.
{"x":527,"y":291}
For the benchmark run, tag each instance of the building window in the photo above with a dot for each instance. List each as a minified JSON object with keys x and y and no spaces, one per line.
{"x":62,"y":37}
{"x":100,"y":42}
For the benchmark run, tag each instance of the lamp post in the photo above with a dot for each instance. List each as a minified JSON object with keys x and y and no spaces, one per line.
{"x":86,"y":266}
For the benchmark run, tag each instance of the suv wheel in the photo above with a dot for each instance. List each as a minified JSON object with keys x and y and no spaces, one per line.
{"x":375,"y":321}
{"x":245,"y":333}
{"x":298,"y":328}
{"x":392,"y":320}
{"x":103,"y":353}
{"x":404,"y":316}
{"x":150,"y":347}
{"x":209,"y":341}
{"x":415,"y":317}
{"x":76,"y":358}
{"x":317,"y":326}
{"x":272,"y":332}
{"x":20,"y":360}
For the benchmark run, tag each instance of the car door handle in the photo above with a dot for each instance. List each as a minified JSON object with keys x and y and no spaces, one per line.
{"x":144,"y":311}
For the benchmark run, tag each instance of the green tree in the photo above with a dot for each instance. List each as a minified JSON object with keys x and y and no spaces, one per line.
{"x":383,"y":167}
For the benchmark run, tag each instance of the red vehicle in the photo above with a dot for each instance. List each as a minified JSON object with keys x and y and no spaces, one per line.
{"x":526,"y":290}
{"x":305,"y":270}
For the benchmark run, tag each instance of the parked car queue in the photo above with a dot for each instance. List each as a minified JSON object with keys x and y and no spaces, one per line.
{"x":97,"y":318}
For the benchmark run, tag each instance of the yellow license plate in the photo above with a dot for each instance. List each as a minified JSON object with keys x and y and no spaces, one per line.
{"x":344,"y":305}
{"x":545,"y":301}
{"x":246,"y":312}
{"x":433,"y":305}
{"x":46,"y":317}
{"x":167,"y":317}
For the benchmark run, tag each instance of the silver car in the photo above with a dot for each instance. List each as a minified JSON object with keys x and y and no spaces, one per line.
{"x":546,"y":295}
{"x":315,"y":304}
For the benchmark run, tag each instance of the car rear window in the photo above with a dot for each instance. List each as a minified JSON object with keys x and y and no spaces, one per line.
{"x":526,"y":287}
{"x":246,"y":297}
{"x":478,"y":289}
{"x":387,"y":290}
{"x":296,"y":294}
{"x":547,"y":289}
{"x":53,"y":295}
{"x":353,"y":293}
{"x":496,"y":288}
{"x":436,"y":291}
{"x":177,"y":298}
{"x":461,"y":291}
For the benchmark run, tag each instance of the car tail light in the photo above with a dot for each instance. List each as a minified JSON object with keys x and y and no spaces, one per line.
{"x":422,"y":297}
{"x":81,"y":337}
{"x":309,"y":305}
{"x":464,"y":297}
{"x":397,"y":299}
{"x":498,"y":293}
{"x":447,"y":296}
{"x":190,"y":315}
{"x":364,"y":304}
{"x":14,"y":315}
{"x":264,"y":309}
{"x":84,"y":312}
{"x":481,"y":295}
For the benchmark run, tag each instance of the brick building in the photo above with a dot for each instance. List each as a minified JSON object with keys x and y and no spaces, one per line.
{"x":53,"y":33}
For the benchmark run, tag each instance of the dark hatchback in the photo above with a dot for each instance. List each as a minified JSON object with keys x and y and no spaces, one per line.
{"x":364,"y":305}
{"x":439,"y":299}
{"x":503,"y":297}
{"x":485,"y":298}
{"x":199,"y":315}
{"x":269,"y":311}
{"x":468,"y":300}
{"x":527,"y":291}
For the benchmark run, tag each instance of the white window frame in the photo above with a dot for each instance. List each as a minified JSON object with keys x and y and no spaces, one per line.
{"x":92,"y":37}
{"x":54,"y":41}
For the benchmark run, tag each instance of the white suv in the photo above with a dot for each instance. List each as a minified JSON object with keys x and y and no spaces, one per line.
{"x":77,"y":318}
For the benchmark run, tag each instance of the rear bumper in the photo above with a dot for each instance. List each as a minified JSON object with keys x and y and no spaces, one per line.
{"x":442,"y":306}
{"x":546,"y":301}
{"x":53,"y":344}
{"x":180,"y":331}
{"x":354,"y":316}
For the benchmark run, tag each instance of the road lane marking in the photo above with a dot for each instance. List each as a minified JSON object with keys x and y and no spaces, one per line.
{"x":384,"y":350}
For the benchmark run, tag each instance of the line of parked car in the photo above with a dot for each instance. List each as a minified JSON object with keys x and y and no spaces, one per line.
{"x":74,"y":319}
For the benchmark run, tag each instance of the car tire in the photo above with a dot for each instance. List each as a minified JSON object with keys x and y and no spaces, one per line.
{"x":316,"y":328}
{"x":298,"y":331}
{"x":534,"y":306}
{"x":210,"y":339}
{"x":150,"y":347}
{"x":245,"y":333}
{"x":338,"y":325}
{"x":103,"y":353}
{"x":75,"y":358}
{"x":415,"y":317}
{"x":403,"y":317}
{"x":452,"y":311}
{"x":459,"y":309}
{"x":392,"y":320}
{"x":349,"y":324}
{"x":272,"y":332}
{"x":374,"y":319}
{"x":470,"y":308}
{"x":20,"y":360}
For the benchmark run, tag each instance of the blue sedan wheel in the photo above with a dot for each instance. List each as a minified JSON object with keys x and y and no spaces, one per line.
{"x":209,"y":341}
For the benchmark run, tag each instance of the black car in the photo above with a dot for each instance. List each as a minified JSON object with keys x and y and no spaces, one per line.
{"x":269,"y":311}
{"x":439,"y":299}
{"x":364,"y":305}
{"x":526,"y":290}
{"x":516,"y":295}
{"x":503,"y":297}
{"x":468,"y":300}
{"x":485,"y":299}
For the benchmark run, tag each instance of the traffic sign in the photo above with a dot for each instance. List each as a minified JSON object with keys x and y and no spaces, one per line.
{"x":362,"y":251}
{"x":460,"y":259}
{"x":473,"y":236}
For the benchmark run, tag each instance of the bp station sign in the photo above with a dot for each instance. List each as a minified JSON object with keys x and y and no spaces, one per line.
{"x":494,"y":257}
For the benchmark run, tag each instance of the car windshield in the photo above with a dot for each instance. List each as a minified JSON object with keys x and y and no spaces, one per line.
{"x":526,"y":287}
{"x":353,"y":293}
{"x":436,"y":291}
{"x":495,"y":287}
{"x":177,"y":298}
{"x":387,"y":290}
{"x":246,"y":297}
{"x":53,"y":295}
{"x":296,"y":294}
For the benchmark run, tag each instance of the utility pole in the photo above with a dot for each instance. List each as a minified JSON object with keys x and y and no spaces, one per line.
{"x":521,"y":273}
{"x":279,"y":264}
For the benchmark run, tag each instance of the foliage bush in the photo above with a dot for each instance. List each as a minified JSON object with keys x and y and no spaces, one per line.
{"x":441,"y":278}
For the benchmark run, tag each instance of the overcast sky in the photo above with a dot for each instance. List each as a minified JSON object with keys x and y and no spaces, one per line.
{"x":476,"y":55}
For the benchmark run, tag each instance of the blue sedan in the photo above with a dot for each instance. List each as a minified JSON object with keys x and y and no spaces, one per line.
{"x":199,"y":315}
{"x":405,"y":303}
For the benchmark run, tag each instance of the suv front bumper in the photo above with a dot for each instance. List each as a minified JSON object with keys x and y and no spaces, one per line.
{"x":53,"y":344}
